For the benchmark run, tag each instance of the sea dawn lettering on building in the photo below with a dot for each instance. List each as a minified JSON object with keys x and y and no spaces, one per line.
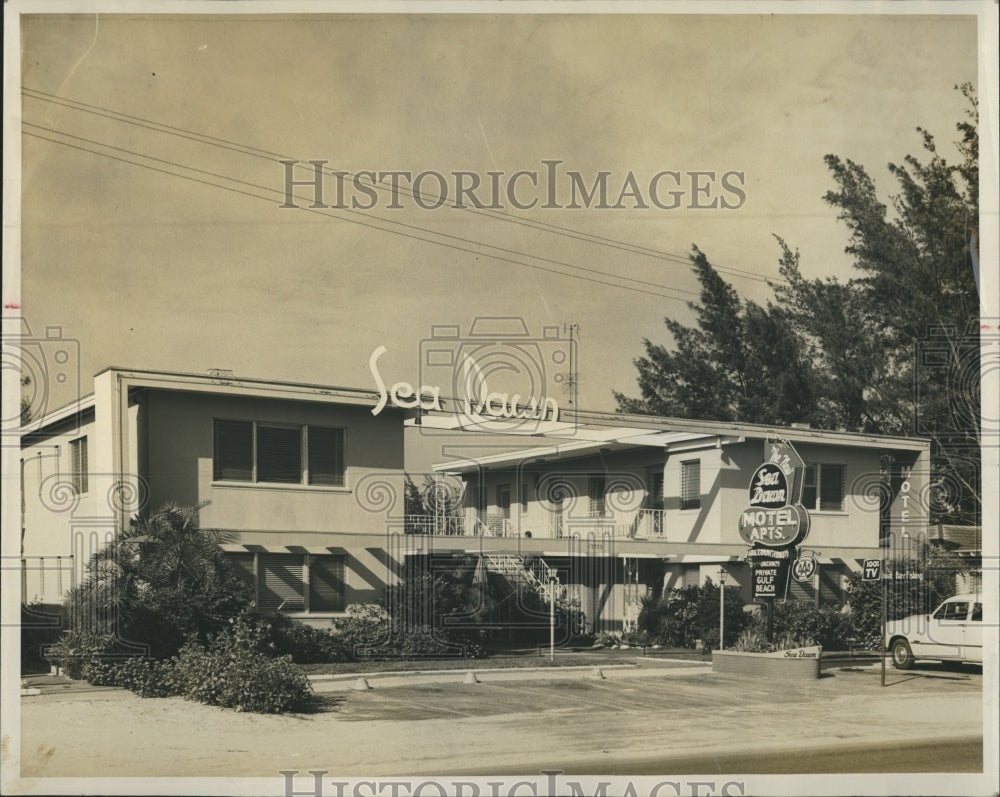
{"x":476,"y":401}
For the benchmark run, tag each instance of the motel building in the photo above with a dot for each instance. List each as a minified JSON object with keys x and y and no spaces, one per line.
{"x":307,"y":482}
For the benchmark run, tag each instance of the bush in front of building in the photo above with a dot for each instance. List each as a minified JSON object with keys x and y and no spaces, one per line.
{"x":370,"y":632}
{"x":307,"y":644}
{"x":807,"y":624}
{"x":687,"y":616}
{"x":160,"y":581}
{"x":235,"y":669}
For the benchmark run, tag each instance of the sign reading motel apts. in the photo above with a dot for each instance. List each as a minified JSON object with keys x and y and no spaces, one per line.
{"x":775,"y":518}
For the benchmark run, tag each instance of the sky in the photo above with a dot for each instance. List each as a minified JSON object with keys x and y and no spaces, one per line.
{"x":152,"y":231}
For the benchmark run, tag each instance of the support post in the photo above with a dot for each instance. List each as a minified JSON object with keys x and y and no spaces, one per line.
{"x":881,"y":574}
{"x":552,"y":617}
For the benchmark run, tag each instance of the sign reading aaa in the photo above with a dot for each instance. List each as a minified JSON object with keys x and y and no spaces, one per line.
{"x":804,"y":569}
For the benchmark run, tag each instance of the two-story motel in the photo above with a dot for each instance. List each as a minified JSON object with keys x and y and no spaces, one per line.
{"x":307,"y":482}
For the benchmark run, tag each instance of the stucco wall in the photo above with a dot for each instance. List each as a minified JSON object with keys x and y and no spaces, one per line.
{"x":178,"y":432}
{"x":60,"y":528}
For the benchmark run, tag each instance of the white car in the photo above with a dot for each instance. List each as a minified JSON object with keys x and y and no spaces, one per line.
{"x":952,"y":632}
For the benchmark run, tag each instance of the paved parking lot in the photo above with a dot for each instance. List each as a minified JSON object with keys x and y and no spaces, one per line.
{"x":569,"y":719}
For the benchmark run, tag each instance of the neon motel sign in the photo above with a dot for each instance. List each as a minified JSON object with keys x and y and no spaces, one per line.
{"x":475,"y":401}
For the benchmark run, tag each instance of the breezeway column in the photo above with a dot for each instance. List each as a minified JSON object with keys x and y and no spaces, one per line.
{"x":115,"y":481}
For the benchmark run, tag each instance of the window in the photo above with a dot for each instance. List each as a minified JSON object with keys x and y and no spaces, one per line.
{"x":280,"y":581}
{"x":691,"y":484}
{"x":78,"y":455}
{"x":326,"y":456}
{"x":595,"y":492}
{"x":823,"y":488}
{"x":654,"y":488}
{"x":956,"y":610}
{"x":279,"y":454}
{"x":977,"y":613}
{"x":326,"y":583}
{"x":247,"y":451}
{"x":503,"y":500}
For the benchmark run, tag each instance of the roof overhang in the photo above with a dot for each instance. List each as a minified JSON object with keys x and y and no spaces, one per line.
{"x":588,"y":442}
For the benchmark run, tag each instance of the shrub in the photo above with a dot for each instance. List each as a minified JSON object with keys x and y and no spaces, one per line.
{"x":365,"y":629}
{"x":158,"y":582}
{"x":235,"y":670}
{"x":830,"y":627}
{"x":75,"y":649}
{"x":306,"y":644}
{"x":683,"y":616}
{"x":232,"y":675}
{"x":753,"y":640}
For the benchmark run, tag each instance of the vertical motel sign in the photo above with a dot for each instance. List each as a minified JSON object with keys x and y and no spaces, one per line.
{"x":775,"y":521}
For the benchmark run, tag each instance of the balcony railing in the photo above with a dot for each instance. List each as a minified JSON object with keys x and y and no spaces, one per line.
{"x":643,"y":524}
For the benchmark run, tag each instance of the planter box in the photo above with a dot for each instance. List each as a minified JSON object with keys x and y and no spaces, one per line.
{"x":796,"y":664}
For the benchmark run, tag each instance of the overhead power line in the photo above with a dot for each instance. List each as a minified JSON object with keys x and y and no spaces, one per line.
{"x":321,"y":211}
{"x":498,"y":215}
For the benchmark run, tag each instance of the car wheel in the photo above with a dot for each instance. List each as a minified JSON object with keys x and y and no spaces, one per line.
{"x":902,"y":657}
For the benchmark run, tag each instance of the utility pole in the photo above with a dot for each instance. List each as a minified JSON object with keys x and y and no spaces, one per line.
{"x":571,"y":378}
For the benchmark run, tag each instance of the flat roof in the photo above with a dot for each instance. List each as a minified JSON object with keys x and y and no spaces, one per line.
{"x":577,"y":430}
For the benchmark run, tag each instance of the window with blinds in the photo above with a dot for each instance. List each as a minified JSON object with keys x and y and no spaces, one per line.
{"x":79,"y":465}
{"x":233,"y":453}
{"x":280,"y":583}
{"x":326,"y":455}
{"x":326,"y":584}
{"x":248,"y":451}
{"x":691,"y":484}
{"x":279,"y":454}
{"x":823,"y":488}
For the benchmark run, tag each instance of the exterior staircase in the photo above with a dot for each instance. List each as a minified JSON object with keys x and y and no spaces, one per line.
{"x":513,"y":568}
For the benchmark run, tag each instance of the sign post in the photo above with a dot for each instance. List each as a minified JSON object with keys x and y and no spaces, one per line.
{"x":874,"y":570}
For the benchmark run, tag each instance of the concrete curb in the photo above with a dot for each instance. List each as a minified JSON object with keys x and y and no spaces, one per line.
{"x":349,"y":676}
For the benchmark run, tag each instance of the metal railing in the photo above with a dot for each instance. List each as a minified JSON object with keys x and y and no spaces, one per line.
{"x":643,"y":524}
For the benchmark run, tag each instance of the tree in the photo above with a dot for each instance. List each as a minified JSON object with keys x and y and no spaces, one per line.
{"x":894,"y":350}
{"x":740,"y":362}
{"x":25,"y":403}
{"x":897,"y":348}
{"x":160,"y":582}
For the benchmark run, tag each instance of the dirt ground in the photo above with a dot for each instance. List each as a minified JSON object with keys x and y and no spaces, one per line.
{"x":424,"y":725}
